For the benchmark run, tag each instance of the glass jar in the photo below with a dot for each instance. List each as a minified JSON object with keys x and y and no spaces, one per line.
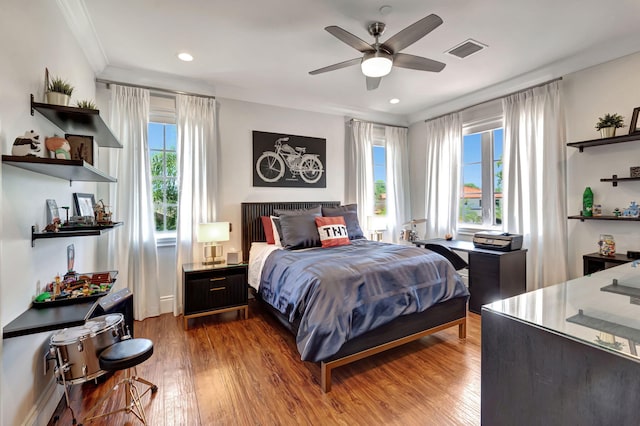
{"x":607,"y":245}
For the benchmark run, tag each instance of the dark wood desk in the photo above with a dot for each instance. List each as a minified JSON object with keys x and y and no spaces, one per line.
{"x":594,"y":262}
{"x":493,"y":275}
{"x":48,"y":319}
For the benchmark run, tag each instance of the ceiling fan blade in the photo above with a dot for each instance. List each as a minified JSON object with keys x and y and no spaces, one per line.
{"x":336,"y":66}
{"x":373,"y":82}
{"x":348,"y":38}
{"x":412,"y":33}
{"x":419,"y":63}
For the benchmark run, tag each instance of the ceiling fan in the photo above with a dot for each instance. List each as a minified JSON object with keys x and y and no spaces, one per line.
{"x":379,"y":57}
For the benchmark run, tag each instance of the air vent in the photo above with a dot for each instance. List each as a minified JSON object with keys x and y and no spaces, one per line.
{"x":466,"y":48}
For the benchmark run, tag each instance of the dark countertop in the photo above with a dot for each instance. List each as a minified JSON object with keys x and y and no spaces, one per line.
{"x":47,"y":319}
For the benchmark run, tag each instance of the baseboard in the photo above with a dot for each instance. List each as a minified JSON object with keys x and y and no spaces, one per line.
{"x":166,"y":304}
{"x":45,"y":407}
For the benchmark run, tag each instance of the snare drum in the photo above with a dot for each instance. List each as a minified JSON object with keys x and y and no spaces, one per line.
{"x":77,"y":348}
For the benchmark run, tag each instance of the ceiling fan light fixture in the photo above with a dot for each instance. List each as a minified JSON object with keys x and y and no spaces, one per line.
{"x":376,"y":64}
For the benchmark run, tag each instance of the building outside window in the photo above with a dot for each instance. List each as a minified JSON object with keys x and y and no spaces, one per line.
{"x":481,"y":178}
{"x":163,"y":159}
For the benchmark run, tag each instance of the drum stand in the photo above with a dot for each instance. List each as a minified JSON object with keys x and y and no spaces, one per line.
{"x":59,"y":372}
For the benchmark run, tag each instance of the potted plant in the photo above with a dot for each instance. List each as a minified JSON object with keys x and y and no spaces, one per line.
{"x":59,"y":91}
{"x":608,"y":124}
{"x":86,"y":104}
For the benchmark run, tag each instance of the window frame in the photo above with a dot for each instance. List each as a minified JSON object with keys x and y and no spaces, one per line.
{"x":162,"y":110}
{"x":486,"y":128}
{"x":379,"y":140}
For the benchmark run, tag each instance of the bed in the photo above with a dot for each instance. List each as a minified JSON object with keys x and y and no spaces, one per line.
{"x":368,"y":337}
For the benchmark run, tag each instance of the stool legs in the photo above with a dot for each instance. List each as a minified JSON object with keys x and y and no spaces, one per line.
{"x":133,"y":398}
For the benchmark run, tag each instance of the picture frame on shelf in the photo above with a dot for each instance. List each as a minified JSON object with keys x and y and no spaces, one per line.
{"x":81,"y":147}
{"x":52,"y":211}
{"x":634,"y":127}
{"x":84,"y":204}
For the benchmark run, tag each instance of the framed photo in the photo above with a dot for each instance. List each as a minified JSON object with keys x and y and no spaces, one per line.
{"x":84,"y":204}
{"x":283,"y":160}
{"x":634,"y":127}
{"x":81,"y":147}
{"x":52,"y":211}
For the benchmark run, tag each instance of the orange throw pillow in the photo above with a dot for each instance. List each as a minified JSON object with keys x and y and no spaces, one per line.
{"x":332,"y":231}
{"x":268,"y":229}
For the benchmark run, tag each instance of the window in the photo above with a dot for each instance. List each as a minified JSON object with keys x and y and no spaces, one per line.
{"x":380,"y":180}
{"x":481,"y":177}
{"x":163,"y":158}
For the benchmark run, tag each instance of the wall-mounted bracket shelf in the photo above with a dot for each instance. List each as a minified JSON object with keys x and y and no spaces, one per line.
{"x":71,"y":170}
{"x":604,"y":141}
{"x":89,"y":231}
{"x":616,"y":218}
{"x":80,"y":121}
{"x":615,"y":179}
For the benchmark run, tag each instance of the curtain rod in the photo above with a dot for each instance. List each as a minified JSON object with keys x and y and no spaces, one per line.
{"x":379,"y":124}
{"x":495,"y":99}
{"x":157,"y":89}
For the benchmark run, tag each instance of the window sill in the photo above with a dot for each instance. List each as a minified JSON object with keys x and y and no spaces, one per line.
{"x":166,"y":240}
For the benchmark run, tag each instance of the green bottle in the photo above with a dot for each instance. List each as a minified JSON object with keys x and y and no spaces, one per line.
{"x":587,"y":203}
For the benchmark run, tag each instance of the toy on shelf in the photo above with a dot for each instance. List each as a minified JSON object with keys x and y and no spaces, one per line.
{"x":103,"y":213}
{"x":59,"y":146}
{"x":632,"y":211}
{"x":27,"y":145}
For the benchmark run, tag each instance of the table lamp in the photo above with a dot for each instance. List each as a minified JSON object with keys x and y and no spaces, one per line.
{"x":377,"y":224}
{"x":210,"y":234}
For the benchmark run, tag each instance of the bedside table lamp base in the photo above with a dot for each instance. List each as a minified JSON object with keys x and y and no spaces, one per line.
{"x":213,"y":254}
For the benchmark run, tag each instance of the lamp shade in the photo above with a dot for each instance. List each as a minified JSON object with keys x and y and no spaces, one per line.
{"x":213,"y":232}
{"x":377,"y":223}
{"x":376,"y":64}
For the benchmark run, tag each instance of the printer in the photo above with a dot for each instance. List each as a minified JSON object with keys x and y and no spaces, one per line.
{"x":500,"y":241}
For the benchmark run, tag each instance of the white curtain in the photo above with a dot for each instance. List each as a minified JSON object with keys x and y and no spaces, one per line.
{"x":398,"y":203}
{"x":133,"y":246}
{"x":442,"y":182}
{"x":197,"y":176}
{"x":359,"y":169}
{"x":535,"y":181}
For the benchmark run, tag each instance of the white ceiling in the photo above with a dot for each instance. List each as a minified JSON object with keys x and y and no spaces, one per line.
{"x":262,"y":51}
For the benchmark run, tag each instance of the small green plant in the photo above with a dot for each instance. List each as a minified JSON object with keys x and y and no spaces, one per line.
{"x":610,"y":120}
{"x":86,"y":104}
{"x":60,"y":86}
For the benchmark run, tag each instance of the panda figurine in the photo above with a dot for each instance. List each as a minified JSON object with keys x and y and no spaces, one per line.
{"x":27,"y":145}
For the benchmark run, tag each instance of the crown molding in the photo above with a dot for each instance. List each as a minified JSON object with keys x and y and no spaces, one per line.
{"x":79,"y":22}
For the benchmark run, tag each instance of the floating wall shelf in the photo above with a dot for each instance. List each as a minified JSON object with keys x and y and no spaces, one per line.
{"x":616,"y":218}
{"x":80,"y":121}
{"x":89,"y":231}
{"x":604,"y":141}
{"x":71,"y":170}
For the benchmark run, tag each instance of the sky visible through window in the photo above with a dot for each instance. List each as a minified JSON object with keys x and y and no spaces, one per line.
{"x":473,"y":154}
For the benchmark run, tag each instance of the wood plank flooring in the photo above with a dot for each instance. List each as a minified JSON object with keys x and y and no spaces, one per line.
{"x":229,"y":371}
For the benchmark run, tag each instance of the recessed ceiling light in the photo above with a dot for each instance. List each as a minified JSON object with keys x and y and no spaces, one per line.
{"x":394,"y":101}
{"x":184,"y":56}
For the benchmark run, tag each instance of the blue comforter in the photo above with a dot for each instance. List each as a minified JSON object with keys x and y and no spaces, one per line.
{"x":342,"y":292}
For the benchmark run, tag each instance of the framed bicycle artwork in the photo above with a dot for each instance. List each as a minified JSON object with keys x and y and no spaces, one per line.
{"x":281,"y":160}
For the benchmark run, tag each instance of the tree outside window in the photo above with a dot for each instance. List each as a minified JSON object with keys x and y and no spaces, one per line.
{"x":164,"y":172}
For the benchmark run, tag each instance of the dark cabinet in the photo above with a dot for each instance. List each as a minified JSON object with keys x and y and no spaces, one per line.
{"x":495,"y":275}
{"x":212,"y":289}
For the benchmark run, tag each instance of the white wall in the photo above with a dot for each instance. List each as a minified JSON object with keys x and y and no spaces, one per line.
{"x":589,"y":94}
{"x":32,"y":36}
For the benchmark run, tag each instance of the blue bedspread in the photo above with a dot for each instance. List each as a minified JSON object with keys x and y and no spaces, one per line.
{"x":342,"y":292}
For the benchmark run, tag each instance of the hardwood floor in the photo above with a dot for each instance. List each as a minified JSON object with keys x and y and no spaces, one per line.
{"x":229,"y":371}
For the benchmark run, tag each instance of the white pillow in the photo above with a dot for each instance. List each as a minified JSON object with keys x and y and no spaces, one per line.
{"x":276,"y":234}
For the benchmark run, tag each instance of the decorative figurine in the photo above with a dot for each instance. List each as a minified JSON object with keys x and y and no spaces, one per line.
{"x":617,"y":212}
{"x":60,"y":147}
{"x":632,"y":211}
{"x":27,"y":145}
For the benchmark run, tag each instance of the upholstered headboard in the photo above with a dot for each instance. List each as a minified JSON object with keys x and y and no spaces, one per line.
{"x":252,"y":229}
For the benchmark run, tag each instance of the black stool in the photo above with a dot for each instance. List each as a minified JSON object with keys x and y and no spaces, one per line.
{"x":126,"y":355}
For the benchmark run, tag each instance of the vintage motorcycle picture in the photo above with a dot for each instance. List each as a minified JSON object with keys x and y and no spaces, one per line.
{"x":288,"y":161}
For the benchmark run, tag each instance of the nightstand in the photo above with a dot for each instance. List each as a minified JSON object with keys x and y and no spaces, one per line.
{"x":212,"y":289}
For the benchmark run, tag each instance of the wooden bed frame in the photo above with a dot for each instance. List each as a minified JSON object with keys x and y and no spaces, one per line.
{"x":403,"y":330}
